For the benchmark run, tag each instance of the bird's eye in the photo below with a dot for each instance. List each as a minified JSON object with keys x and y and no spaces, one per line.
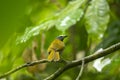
{"x":49,"y":52}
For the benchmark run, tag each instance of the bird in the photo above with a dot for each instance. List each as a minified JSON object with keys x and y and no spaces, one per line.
{"x":56,"y":47}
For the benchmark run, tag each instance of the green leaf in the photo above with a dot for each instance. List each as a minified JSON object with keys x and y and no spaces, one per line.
{"x":33,"y":31}
{"x":62,"y":20}
{"x":97,"y":18}
{"x":111,"y":36}
{"x":70,"y":15}
{"x":65,"y":22}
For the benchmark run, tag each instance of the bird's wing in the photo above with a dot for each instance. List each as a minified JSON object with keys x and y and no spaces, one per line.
{"x":51,"y":55}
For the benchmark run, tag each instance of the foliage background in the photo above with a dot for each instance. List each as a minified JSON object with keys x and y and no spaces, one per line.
{"x":28,"y":24}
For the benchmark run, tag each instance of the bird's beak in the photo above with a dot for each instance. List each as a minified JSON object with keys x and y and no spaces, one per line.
{"x":65,"y":36}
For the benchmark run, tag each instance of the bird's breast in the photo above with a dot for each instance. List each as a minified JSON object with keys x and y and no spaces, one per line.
{"x":57,"y":45}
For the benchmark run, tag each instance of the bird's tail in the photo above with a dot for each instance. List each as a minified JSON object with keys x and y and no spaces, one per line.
{"x":57,"y":56}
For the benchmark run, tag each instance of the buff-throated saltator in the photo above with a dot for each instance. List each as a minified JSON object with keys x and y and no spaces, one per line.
{"x":55,"y":48}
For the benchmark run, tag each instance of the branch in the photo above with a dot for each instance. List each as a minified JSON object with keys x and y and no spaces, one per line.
{"x":23,"y":66}
{"x":69,"y":65}
{"x":87,"y":59}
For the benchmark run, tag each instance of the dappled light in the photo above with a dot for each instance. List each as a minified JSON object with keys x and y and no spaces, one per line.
{"x":59,"y":40}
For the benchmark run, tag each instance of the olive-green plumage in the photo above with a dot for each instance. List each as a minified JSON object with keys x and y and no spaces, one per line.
{"x":55,"y":48}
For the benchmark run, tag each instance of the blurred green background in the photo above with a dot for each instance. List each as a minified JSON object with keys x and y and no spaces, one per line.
{"x":27,"y":28}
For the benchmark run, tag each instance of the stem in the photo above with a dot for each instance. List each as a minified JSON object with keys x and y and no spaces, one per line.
{"x":81,"y":70}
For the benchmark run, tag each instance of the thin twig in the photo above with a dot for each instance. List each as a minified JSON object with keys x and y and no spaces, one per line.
{"x":81,"y":70}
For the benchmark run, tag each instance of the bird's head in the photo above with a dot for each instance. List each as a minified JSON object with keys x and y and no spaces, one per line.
{"x":61,"y":37}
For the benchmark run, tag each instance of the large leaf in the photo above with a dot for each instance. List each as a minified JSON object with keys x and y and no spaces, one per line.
{"x":70,"y":15}
{"x":97,"y":18}
{"x":111,"y":36}
{"x":62,"y":20}
{"x":33,"y":31}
